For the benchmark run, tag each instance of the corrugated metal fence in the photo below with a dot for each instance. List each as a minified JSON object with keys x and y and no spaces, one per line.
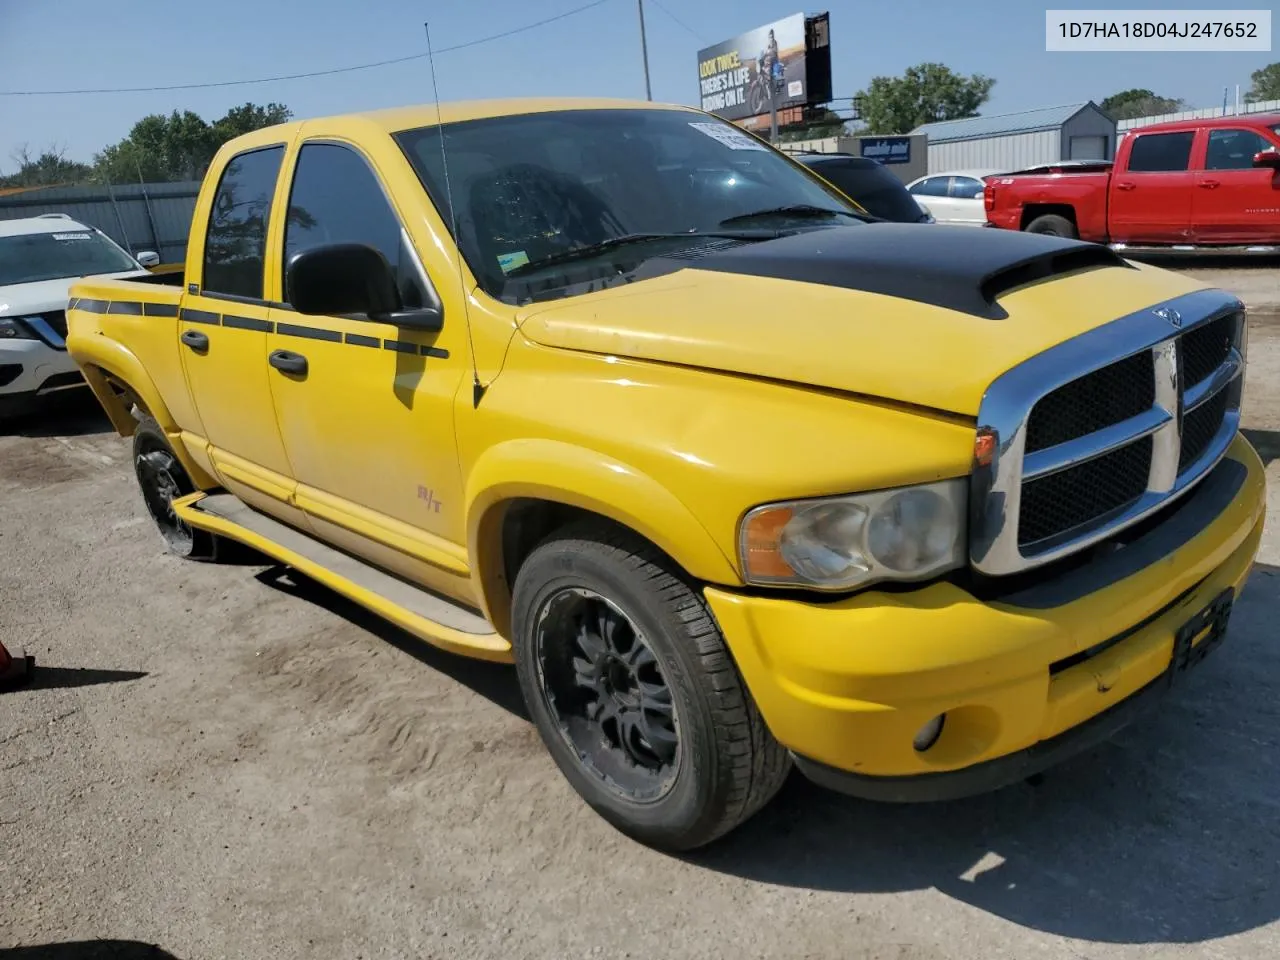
{"x":149,"y":216}
{"x":1206,"y":113}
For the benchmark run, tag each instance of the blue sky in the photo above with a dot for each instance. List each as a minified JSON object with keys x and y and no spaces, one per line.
{"x":59,"y":44}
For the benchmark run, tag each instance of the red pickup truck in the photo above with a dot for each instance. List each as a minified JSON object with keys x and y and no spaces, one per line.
{"x":1190,"y":183}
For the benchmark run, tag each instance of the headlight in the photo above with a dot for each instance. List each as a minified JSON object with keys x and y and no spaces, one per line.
{"x":12,"y":328}
{"x":837,"y":543}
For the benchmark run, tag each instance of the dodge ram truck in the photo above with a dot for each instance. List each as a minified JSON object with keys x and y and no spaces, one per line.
{"x":738,"y":480}
{"x":1191,"y":183}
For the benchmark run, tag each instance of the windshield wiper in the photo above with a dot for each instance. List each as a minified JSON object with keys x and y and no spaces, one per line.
{"x":587,"y":251}
{"x":796,"y":210}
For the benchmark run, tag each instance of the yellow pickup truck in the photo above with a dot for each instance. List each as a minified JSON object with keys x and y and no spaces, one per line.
{"x":737,"y":478}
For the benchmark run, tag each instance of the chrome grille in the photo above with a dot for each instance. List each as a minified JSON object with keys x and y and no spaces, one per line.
{"x":1059,"y":503}
{"x":1096,"y":400}
{"x":1098,"y":432}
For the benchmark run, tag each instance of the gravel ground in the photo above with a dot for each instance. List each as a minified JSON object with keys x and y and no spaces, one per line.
{"x":224,"y":762}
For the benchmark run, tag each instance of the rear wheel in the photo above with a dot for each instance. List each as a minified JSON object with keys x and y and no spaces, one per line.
{"x":162,"y":479}
{"x":1053,"y":225}
{"x":633,"y":690}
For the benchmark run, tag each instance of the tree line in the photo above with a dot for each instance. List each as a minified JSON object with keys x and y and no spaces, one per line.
{"x":180,"y":146}
{"x":158,"y":149}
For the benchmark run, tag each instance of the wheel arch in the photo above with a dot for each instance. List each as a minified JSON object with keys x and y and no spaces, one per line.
{"x":120,"y":381}
{"x":1033,"y":211}
{"x":521,"y":491}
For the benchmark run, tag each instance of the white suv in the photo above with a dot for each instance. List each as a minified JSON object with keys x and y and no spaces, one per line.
{"x":40,"y":258}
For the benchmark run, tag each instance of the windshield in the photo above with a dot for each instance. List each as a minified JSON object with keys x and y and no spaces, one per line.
{"x":32,"y":257}
{"x":533,"y":186}
{"x":883,"y":194}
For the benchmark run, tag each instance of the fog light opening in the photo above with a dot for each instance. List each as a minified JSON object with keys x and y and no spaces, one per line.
{"x":928,"y":735}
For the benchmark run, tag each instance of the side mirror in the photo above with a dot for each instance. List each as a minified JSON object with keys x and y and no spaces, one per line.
{"x":148,"y":259}
{"x":1267,"y":158}
{"x":342,"y":279}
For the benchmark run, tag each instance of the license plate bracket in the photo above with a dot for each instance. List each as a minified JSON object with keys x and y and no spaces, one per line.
{"x":1211,"y":621}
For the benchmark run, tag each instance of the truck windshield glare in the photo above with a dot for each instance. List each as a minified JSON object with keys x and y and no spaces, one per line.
{"x":30,"y":258}
{"x":532,"y":186}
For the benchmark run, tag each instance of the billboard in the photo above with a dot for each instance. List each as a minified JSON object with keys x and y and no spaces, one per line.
{"x":735,"y":76}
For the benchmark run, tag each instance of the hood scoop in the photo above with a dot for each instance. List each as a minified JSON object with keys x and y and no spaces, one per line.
{"x":955,"y":267}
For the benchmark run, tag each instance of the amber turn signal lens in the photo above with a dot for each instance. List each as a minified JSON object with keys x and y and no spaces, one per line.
{"x":762,"y":539}
{"x":984,"y":448}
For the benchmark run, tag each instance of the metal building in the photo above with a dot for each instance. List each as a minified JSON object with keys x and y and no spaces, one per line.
{"x":151,"y":216}
{"x":1074,"y":131}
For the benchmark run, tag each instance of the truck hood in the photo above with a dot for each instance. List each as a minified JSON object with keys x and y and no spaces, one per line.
{"x":927,"y":316}
{"x":45,"y":295}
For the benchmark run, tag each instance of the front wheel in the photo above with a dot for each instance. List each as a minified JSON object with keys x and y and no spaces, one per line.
{"x":634,"y":692}
{"x":1054,"y":226}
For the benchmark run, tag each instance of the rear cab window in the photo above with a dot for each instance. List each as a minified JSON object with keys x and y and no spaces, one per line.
{"x":1161,"y":152}
{"x":236,"y":242}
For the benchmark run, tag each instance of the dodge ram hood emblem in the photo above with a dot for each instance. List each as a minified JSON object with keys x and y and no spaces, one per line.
{"x":1167,"y":313}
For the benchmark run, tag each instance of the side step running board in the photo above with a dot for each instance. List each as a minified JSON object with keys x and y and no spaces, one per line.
{"x":425,"y":614}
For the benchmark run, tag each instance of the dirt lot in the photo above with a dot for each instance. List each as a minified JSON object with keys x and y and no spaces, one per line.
{"x":226,"y":763}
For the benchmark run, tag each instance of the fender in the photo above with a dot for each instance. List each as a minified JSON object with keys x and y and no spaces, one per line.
{"x":578,"y":477}
{"x":97,"y":355}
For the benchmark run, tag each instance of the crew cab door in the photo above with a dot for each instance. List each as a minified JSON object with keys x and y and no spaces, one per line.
{"x":1236,"y":202}
{"x":222,"y":328}
{"x":366,"y":408}
{"x":1150,"y":200}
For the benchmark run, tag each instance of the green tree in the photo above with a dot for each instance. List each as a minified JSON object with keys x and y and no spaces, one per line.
{"x":1138,"y":102}
{"x":249,"y":117}
{"x":48,"y":169}
{"x":179,"y":146}
{"x":1266,"y":84}
{"x":925,"y":93}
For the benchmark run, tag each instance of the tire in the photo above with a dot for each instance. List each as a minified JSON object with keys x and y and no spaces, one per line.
{"x":162,"y":479}
{"x":1054,"y":226}
{"x":574,"y":669}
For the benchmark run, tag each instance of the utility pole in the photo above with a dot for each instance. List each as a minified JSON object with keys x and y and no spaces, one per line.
{"x":644,"y":51}
{"x":773,"y":112}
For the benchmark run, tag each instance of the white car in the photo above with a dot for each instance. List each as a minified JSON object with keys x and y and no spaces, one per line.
{"x":40,"y":258}
{"x":954,"y":197}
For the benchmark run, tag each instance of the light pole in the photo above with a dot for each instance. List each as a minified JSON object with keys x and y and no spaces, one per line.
{"x":644,"y":51}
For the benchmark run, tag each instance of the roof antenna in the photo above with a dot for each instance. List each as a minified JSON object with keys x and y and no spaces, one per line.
{"x":477,"y":388}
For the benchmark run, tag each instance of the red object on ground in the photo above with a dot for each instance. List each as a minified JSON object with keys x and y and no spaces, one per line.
{"x":14,"y":668}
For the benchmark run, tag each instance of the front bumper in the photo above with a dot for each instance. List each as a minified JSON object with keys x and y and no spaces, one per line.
{"x":1024,"y":680}
{"x":30,"y":369}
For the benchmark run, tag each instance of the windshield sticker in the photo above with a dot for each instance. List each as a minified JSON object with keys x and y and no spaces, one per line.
{"x":731,"y":138}
{"x":509,"y":261}
{"x":72,"y":236}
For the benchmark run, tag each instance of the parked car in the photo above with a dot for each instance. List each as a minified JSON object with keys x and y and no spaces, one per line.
{"x":1198,"y":183}
{"x":954,"y":197}
{"x":734,"y":477}
{"x":869,"y":184}
{"x":40,"y":257}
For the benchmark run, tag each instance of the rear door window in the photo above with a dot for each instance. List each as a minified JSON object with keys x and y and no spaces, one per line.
{"x":1161,"y":152}
{"x":966,"y":188}
{"x":236,"y":243}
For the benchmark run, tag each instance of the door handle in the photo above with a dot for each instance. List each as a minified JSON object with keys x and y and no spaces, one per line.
{"x":1125,"y":186}
{"x":289,"y":362}
{"x":1208,"y":184}
{"x":195,"y":340}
